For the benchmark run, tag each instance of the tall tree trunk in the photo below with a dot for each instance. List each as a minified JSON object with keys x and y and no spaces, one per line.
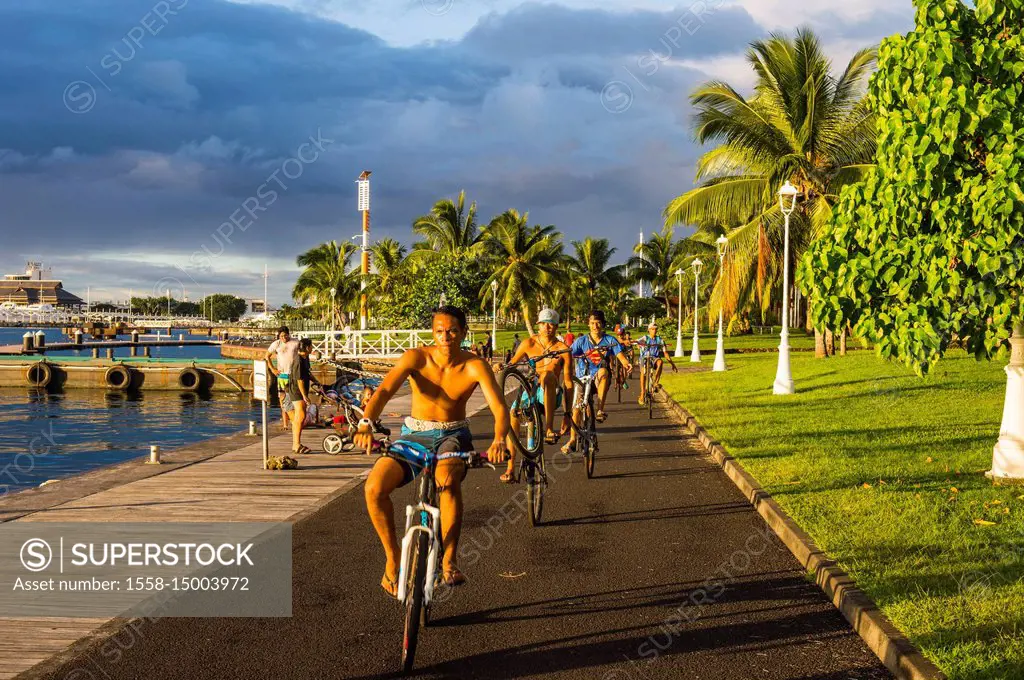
{"x":842,"y":342}
{"x":526,"y":319}
{"x":819,"y":345}
{"x":830,"y":342}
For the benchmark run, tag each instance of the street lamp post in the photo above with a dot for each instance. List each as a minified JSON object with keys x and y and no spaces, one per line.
{"x":364,"y":208}
{"x":679,"y":308}
{"x":330,"y":345}
{"x":723,"y":246}
{"x":494,"y":316}
{"x":697,"y":265}
{"x":783,"y":377}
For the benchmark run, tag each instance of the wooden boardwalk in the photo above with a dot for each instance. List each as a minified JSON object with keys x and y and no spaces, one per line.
{"x":230,"y":487}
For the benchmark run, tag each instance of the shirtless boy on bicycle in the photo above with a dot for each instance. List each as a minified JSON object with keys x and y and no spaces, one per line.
{"x":554,"y":375}
{"x":443,"y":378}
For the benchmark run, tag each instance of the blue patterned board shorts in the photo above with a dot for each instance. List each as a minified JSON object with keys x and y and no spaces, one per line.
{"x":538,"y":398}
{"x":411,"y":450}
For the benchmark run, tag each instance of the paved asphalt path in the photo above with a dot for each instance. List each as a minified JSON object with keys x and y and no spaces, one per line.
{"x":657,"y":568}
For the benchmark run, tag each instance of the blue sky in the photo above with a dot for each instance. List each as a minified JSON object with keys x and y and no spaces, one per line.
{"x":183,"y":143}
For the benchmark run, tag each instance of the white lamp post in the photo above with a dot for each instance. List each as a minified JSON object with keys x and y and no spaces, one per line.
{"x":494,"y":315}
{"x":695,"y":354}
{"x":330,"y":345}
{"x":783,"y":377}
{"x":679,"y":308}
{"x":723,"y":245}
{"x":1008,"y":455}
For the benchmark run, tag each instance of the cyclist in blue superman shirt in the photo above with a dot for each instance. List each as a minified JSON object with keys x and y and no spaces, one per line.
{"x":590,"y":350}
{"x":652,"y":345}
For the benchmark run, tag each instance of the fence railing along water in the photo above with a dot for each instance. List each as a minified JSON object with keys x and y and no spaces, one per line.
{"x":381,"y":344}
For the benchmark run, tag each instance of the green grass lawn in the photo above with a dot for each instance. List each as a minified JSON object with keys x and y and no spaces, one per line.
{"x":885,"y":471}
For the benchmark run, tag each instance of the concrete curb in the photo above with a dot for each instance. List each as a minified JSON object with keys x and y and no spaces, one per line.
{"x":883,"y":638}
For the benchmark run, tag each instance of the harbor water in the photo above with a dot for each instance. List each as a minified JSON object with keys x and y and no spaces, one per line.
{"x":52,"y":435}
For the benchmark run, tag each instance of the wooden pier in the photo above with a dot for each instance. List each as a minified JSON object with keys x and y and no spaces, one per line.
{"x":201,"y":483}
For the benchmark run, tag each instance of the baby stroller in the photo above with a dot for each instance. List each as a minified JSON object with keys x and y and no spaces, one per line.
{"x":348,"y":395}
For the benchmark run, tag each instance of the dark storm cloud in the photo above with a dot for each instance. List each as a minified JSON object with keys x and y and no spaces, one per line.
{"x":702,"y":29}
{"x":186,"y":127}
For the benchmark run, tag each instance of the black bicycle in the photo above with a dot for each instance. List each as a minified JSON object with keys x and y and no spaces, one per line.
{"x":583,"y":401}
{"x":519,"y":384}
{"x":648,"y":367}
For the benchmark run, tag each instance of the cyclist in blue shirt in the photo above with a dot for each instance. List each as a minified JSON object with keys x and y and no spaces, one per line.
{"x":652,"y":345}
{"x":590,"y":351}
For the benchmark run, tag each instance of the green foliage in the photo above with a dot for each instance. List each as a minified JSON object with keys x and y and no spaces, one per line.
{"x":412,"y":300}
{"x":803,"y":123}
{"x":930,"y":247}
{"x":328,"y":267}
{"x":645,"y":308}
{"x":223,"y":307}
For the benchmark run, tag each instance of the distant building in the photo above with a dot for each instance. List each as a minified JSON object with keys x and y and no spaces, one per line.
{"x":256,"y":310}
{"x":31,"y":288}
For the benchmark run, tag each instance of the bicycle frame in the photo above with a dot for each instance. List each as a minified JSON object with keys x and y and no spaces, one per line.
{"x":416,"y":517}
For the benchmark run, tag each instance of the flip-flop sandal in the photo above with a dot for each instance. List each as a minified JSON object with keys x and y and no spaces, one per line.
{"x":454,"y":578}
{"x":551,"y":439}
{"x":508,"y":478}
{"x":570,"y":447}
{"x":302,"y":449}
{"x":601,"y":416}
{"x":389,"y":586}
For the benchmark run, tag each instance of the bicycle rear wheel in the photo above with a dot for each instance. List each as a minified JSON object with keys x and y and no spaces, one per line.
{"x":527,"y":429}
{"x":414,"y":600}
{"x":536,"y":481}
{"x":650,"y":390}
{"x":569,"y":402}
{"x":590,"y":439}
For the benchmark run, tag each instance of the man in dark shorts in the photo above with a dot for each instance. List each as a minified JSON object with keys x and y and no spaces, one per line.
{"x":443,"y":377}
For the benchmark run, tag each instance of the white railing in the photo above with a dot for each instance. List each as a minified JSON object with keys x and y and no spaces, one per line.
{"x":379,"y":344}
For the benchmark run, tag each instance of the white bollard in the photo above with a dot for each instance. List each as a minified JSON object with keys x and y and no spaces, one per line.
{"x":154,"y":455}
{"x":252,"y":428}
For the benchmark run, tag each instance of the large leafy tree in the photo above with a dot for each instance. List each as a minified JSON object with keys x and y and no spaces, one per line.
{"x":592,"y":269}
{"x":802,"y":123}
{"x":450,"y":228}
{"x":523,"y":260}
{"x":930,"y":247}
{"x":223,"y":307}
{"x":328,"y":267}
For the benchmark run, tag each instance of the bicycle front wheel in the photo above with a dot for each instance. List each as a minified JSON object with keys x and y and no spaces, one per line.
{"x":527,"y":424}
{"x":414,"y":600}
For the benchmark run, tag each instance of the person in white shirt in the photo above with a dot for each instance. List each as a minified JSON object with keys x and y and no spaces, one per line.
{"x":284,"y":350}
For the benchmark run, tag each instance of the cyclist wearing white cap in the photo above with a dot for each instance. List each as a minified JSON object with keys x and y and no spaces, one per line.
{"x":652,"y":345}
{"x":554,"y":375}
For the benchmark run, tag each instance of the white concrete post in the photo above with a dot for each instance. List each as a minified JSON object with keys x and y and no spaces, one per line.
{"x":1008,"y":455}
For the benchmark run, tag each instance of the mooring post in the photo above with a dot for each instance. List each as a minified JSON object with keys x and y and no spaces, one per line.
{"x":154,"y":455}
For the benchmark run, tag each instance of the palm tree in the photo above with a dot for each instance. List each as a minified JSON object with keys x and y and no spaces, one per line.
{"x":389,"y":261}
{"x":524,"y":261}
{"x":655,"y":263}
{"x":802,"y":124}
{"x":590,"y":265}
{"x":328,"y":267}
{"x":449,"y":228}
